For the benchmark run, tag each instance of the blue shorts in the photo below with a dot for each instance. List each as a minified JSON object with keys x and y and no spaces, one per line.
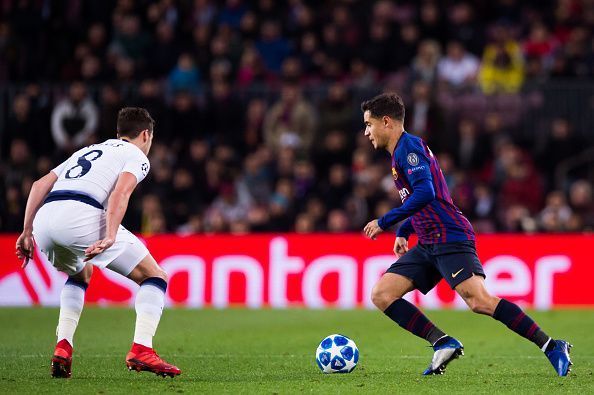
{"x":426,"y":264}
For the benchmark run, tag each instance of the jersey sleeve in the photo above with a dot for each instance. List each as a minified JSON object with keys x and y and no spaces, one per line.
{"x":415,"y":162}
{"x":137,"y":164}
{"x":60,"y":168}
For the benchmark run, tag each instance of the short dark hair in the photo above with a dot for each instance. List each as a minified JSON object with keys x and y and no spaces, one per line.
{"x":133,"y":120}
{"x":389,"y":104}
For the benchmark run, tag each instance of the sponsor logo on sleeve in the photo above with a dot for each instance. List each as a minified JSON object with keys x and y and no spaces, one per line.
{"x":412,"y":159}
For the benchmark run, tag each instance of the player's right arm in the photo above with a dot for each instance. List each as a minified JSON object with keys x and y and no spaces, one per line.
{"x":39,"y":190}
{"x":402,"y":234}
{"x":116,"y":208}
{"x":400,"y":246}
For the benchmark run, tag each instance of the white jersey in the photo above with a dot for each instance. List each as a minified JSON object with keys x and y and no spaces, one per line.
{"x":94,"y":170}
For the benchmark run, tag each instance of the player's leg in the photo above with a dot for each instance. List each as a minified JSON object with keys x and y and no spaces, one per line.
{"x":387,"y":296}
{"x":415,"y":269}
{"x":475,"y":294}
{"x":72,"y":300}
{"x":149,"y":303}
{"x":150,"y":299}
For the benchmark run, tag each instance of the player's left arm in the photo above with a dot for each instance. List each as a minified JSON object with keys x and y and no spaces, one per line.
{"x":417,"y":166}
{"x":117,"y":204}
{"x":423,"y":195}
{"x":39,"y":190}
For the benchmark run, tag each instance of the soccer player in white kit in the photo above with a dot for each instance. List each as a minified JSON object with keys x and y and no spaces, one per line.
{"x":74,"y":214}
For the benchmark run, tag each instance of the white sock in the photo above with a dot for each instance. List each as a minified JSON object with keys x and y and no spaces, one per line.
{"x":72,"y":300}
{"x":149,"y":306}
{"x":544,"y":347}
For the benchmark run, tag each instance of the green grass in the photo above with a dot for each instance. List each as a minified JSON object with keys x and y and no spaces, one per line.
{"x":272,"y":351}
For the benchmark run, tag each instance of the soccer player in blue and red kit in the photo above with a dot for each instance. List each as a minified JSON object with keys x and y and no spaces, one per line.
{"x":445,"y":249}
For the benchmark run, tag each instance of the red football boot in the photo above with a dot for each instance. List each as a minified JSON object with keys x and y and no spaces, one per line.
{"x":145,"y":358}
{"x":62,"y":360}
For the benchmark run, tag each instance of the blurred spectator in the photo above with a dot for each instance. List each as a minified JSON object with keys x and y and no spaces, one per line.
{"x":193,"y":226}
{"x":334,"y":149}
{"x":185,"y":76}
{"x":184,"y":120}
{"x":256,"y":178}
{"x":291,"y":121}
{"x":465,"y":27}
{"x":338,"y":187}
{"x":424,"y":117}
{"x":129,"y":39}
{"x":338,"y":222}
{"x":377,"y":51}
{"x":516,"y":218}
{"x":108,"y":113}
{"x":23,"y":124}
{"x":502,"y":68}
{"x":581,"y":201}
{"x":336,"y":112}
{"x":469,"y":149}
{"x":407,"y":43}
{"x":282,"y":215}
{"x":232,"y":13}
{"x":164,"y":53}
{"x":304,"y":224}
{"x":272,"y":46}
{"x":424,"y":65}
{"x":183,"y":197}
{"x":458,"y":68}
{"x":561,"y":144}
{"x":74,"y":119}
{"x":556,"y":214}
{"x":253,"y":133}
{"x":362,"y":75}
{"x":224,"y":116}
{"x":520,"y":183}
{"x":251,"y":69}
{"x":431,"y":20}
{"x":153,"y":220}
{"x":203,"y":12}
{"x":540,"y":44}
{"x":231,"y":205}
{"x":20,"y":164}
{"x":483,"y":215}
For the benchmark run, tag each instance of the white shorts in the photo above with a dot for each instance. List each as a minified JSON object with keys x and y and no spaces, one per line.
{"x":64,"y":229}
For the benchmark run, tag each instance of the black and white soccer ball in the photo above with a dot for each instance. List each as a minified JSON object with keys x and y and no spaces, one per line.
{"x":337,"y":354}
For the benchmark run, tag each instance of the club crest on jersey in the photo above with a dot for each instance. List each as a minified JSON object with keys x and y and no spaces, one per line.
{"x":394,"y":174}
{"x":412,"y":159}
{"x":144,"y":168}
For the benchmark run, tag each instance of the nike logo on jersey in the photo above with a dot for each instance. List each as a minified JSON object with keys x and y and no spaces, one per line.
{"x":458,"y":272}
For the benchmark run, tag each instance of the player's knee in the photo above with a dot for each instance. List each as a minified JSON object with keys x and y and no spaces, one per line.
{"x":382,"y":298}
{"x":163,"y":275}
{"x":84,"y":276}
{"x":481,"y":305}
{"x":157,"y":272}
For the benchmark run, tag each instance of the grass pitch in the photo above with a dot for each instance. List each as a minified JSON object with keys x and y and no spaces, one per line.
{"x":272,"y":352}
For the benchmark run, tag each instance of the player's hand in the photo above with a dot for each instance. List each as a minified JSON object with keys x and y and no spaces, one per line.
{"x":24,"y":248}
{"x":400,"y":246}
{"x":98,"y":247}
{"x":372,"y":229}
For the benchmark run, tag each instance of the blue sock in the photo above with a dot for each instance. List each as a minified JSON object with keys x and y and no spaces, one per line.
{"x":413,"y":320}
{"x":515,"y":319}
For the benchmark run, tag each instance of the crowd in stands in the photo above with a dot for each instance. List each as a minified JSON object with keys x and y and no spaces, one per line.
{"x":258,"y":127}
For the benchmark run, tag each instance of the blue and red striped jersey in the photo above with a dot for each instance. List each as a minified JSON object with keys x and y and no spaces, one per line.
{"x":440,"y":221}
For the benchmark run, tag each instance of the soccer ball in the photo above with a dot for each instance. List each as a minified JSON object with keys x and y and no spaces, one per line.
{"x":337,"y":354}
